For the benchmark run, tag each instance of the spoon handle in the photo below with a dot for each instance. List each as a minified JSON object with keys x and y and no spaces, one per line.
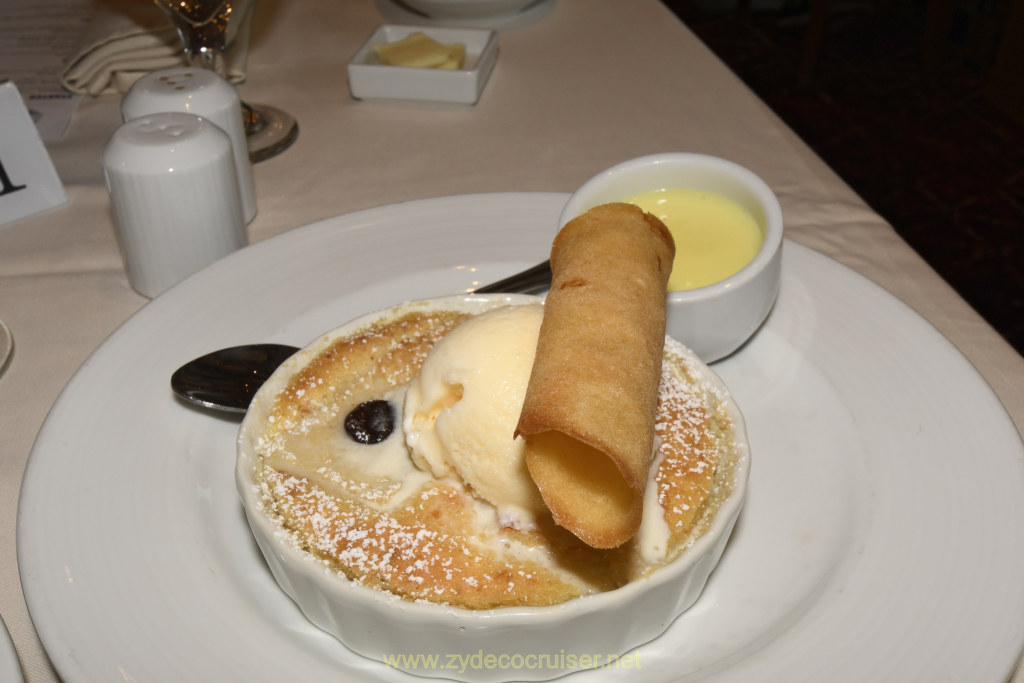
{"x":530,"y":281}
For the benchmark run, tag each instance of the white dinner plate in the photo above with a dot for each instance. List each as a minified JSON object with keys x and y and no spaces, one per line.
{"x":10,"y":666}
{"x":6,"y":346}
{"x":882,"y":540}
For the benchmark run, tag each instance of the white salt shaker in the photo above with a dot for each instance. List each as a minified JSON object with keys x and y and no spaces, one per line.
{"x":174,"y":195}
{"x":203,"y":93}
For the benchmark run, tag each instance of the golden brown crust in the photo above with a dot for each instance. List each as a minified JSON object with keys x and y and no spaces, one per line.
{"x":588,"y":416}
{"x":417,"y":552}
{"x":374,"y":360}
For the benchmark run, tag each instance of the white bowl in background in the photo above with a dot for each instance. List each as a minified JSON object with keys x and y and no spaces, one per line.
{"x":467,"y":9}
{"x":715,"y":320}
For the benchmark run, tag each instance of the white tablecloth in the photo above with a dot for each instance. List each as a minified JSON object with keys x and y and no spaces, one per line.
{"x":591,"y":83}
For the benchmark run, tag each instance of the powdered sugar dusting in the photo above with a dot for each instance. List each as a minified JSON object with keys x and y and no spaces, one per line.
{"x":695,"y":431}
{"x":398,"y":552}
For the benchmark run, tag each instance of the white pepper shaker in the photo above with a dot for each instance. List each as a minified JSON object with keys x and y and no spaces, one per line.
{"x":174,"y":195}
{"x":203,"y":93}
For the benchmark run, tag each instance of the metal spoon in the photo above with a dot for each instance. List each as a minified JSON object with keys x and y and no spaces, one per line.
{"x":226,"y":380}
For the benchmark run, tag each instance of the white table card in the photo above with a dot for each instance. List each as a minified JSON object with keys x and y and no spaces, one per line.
{"x":28,"y":181}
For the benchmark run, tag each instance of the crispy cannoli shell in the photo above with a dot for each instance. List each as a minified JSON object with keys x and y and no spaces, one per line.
{"x":588,"y":416}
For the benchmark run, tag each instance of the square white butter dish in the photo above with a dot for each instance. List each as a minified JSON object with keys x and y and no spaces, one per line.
{"x":369,"y":79}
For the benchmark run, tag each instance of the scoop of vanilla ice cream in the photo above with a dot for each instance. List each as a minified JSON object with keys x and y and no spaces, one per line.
{"x":461,"y":411}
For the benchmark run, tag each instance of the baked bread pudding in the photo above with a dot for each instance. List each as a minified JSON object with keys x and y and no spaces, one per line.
{"x":365,"y":509}
{"x":494,"y":457}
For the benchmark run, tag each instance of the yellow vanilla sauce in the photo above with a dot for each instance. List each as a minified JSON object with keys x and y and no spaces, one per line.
{"x":715,"y":237}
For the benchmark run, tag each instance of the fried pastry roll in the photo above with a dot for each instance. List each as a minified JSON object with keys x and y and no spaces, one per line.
{"x":589,"y":413}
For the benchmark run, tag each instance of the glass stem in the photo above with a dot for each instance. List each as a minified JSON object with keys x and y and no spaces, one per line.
{"x":209,"y":58}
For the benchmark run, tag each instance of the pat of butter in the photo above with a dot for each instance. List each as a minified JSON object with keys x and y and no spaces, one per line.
{"x":420,"y":50}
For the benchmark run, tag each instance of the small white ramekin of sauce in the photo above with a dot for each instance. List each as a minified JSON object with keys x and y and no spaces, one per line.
{"x":727,"y":225}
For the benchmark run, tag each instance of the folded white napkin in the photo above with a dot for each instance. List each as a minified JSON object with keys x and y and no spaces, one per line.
{"x":121,"y":45}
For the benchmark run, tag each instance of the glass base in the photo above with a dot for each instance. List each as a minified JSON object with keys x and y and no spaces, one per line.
{"x":268,"y":130}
